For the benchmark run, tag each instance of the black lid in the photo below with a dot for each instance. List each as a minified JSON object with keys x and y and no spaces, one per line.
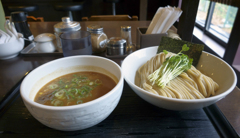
{"x":18,"y":16}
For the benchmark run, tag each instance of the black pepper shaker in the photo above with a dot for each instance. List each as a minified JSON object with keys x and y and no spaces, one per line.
{"x":20,"y":22}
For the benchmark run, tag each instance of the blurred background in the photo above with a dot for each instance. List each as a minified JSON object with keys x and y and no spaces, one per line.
{"x":90,"y":7}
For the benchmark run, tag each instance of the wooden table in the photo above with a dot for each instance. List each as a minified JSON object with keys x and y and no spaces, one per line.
{"x":133,"y":117}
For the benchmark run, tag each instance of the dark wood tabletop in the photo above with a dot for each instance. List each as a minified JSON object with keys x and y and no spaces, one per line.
{"x":133,"y":117}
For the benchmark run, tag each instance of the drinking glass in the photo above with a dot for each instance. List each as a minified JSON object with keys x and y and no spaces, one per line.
{"x":76,"y":43}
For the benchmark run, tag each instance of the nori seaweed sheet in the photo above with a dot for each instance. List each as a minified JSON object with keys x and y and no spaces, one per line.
{"x":175,"y":46}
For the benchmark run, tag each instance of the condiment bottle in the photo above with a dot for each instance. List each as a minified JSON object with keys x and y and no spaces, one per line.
{"x":126,"y":34}
{"x":98,"y":38}
{"x":65,"y":26}
{"x":116,"y":46}
{"x":20,"y":22}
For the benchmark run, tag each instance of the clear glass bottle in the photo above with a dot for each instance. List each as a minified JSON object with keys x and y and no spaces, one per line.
{"x":98,"y":38}
{"x":126,"y":34}
{"x":65,"y":26}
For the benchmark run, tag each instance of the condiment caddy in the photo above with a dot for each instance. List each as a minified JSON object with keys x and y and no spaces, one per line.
{"x":114,"y":47}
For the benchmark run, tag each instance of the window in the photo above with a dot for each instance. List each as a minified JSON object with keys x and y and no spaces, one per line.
{"x":216,"y":20}
{"x":202,"y":12}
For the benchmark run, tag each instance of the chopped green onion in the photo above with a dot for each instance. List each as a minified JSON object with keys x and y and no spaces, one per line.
{"x":60,"y":81}
{"x":98,"y":82}
{"x":59,"y":94}
{"x":83,"y":77}
{"x":54,"y":92}
{"x":79,"y":101}
{"x":76,"y":91}
{"x":74,"y":80}
{"x":71,"y":94}
{"x":68,"y":103}
{"x":83,"y":92}
{"x":66,"y":93}
{"x":52,"y":86}
{"x":67,"y":96}
{"x":79,"y":87}
{"x":57,"y":102}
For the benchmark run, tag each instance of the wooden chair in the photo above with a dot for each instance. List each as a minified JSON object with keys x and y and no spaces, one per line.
{"x":110,"y":18}
{"x":30,"y":19}
{"x":113,"y":4}
{"x":35,"y":19}
{"x":69,"y":7}
{"x":26,"y":9}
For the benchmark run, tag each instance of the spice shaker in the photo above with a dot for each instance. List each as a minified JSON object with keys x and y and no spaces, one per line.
{"x":126,"y":34}
{"x":65,"y":26}
{"x":98,"y":38}
{"x":116,"y":46}
{"x":19,"y":20}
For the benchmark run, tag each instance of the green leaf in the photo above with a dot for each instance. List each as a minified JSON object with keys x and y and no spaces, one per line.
{"x":185,"y":47}
{"x":165,"y":52}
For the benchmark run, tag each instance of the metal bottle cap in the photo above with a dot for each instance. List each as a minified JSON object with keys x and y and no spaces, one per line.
{"x":95,"y":29}
{"x":67,"y":25}
{"x":116,"y":42}
{"x":116,"y":46}
{"x":126,"y":28}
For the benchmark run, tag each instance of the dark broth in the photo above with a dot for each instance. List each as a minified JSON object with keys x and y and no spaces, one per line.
{"x":74,"y":88}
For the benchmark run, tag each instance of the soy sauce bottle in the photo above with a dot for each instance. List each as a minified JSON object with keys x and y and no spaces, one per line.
{"x":20,"y":22}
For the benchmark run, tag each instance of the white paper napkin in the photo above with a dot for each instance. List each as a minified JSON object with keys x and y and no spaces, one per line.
{"x":166,"y":14}
{"x":173,"y":18}
{"x":164,"y":19}
{"x":154,"y":21}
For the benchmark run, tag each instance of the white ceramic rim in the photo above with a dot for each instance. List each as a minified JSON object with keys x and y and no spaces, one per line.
{"x":26,"y":99}
{"x":222,"y":95}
